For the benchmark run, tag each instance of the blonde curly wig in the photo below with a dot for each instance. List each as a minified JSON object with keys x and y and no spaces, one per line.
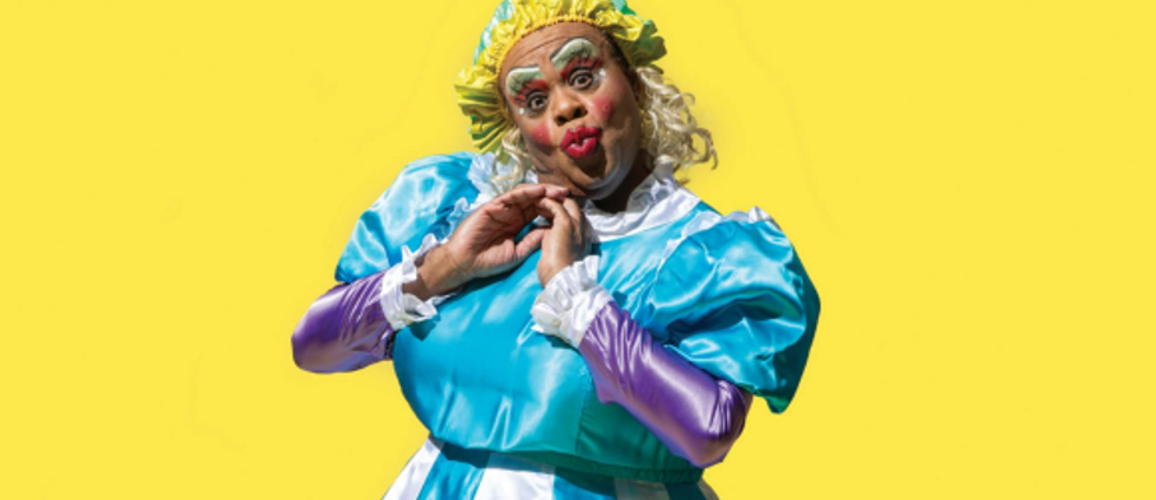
{"x":668,"y":127}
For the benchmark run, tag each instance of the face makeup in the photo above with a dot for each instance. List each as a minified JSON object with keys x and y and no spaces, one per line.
{"x":576,"y":109}
{"x":522,"y":82}
{"x":577,"y":54}
{"x":581,"y":141}
{"x":577,"y":62}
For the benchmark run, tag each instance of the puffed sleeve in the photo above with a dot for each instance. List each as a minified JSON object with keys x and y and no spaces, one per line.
{"x":352,"y":325}
{"x":733,"y":299}
{"x":427,"y":198}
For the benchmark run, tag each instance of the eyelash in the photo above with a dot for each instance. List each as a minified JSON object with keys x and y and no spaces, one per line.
{"x":579,"y":67}
{"x":582,"y":71}
{"x":580,"y":64}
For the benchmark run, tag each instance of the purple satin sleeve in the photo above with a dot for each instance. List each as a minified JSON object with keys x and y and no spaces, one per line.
{"x":345,"y":329}
{"x":694,"y":414}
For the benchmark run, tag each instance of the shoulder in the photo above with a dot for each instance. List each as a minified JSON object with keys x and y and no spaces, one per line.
{"x":432,"y":179}
{"x":719,"y":260}
{"x":709,"y":233}
{"x":449,"y":178}
{"x":733,"y":298}
{"x":428,"y":196}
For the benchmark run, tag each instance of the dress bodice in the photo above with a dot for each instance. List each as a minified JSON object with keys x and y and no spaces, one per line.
{"x":727,"y":293}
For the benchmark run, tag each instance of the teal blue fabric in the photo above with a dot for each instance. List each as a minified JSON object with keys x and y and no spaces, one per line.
{"x":568,"y":484}
{"x":733,"y":299}
{"x":420,"y":201}
{"x":456,"y":473}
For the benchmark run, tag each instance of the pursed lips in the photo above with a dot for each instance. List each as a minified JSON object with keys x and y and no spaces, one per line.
{"x":581,"y":141}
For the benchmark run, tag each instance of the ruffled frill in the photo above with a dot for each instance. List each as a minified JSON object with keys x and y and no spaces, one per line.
{"x":402,"y":309}
{"x":658,"y":200}
{"x":570,"y":301}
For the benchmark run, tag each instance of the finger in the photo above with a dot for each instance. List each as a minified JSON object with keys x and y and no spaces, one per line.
{"x":530,"y":243}
{"x":556,"y":192}
{"x":545,"y":207}
{"x":494,"y":220}
{"x":516,"y":205}
{"x":501,"y":213}
{"x":491,"y":210}
{"x":580,"y":229}
{"x":554,"y":211}
{"x":573,"y":209}
{"x":521,"y":196}
{"x":530,"y":210}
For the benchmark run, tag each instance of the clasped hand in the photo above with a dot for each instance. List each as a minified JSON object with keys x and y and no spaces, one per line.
{"x":484,"y":243}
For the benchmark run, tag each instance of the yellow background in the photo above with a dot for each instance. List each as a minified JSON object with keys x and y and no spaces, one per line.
{"x":969,"y":185}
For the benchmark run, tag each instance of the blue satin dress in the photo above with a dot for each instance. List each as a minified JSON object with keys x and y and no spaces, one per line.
{"x":727,"y":293}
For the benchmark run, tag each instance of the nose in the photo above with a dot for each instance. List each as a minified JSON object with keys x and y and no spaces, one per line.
{"x":568,"y":107}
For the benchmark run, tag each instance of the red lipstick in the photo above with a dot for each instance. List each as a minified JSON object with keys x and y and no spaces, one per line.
{"x":581,"y":141}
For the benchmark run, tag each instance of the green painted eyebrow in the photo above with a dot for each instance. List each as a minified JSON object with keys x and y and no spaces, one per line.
{"x":575,"y":47}
{"x":519,"y":77}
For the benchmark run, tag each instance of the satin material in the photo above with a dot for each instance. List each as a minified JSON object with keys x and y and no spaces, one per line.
{"x":441,"y":470}
{"x":658,"y":200}
{"x":731,"y":298}
{"x":735,"y":300}
{"x":420,"y":201}
{"x":345,"y":329}
{"x":696,"y":416}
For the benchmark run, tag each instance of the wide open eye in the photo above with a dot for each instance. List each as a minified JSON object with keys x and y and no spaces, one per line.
{"x":581,"y":79}
{"x":536,"y":102}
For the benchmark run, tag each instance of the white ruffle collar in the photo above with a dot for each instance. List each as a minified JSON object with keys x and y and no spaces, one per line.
{"x":658,"y":200}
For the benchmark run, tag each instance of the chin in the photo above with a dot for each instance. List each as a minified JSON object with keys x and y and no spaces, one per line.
{"x":606,"y":186}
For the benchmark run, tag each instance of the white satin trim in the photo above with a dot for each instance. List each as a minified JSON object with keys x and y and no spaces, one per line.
{"x":412,"y":478}
{"x":402,"y":309}
{"x":570,"y":301}
{"x":658,"y":200}
{"x":508,"y":478}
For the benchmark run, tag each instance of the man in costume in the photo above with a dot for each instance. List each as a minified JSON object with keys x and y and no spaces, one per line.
{"x":574,"y":322}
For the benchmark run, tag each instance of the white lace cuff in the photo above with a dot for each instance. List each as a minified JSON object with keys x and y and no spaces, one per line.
{"x":402,"y":309}
{"x":570,"y":301}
